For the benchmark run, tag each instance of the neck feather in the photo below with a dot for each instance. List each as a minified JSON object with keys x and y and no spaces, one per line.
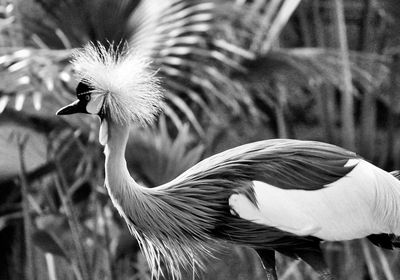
{"x":118,"y":180}
{"x":160,"y":219}
{"x":117,"y":139}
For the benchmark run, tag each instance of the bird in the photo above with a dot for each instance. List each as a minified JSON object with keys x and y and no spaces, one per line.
{"x":275,"y":195}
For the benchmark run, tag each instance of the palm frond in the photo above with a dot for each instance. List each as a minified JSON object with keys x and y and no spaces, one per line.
{"x":256,"y":25}
{"x":369,"y":70}
{"x":302,"y":71}
{"x":176,"y":34}
{"x":35,"y":153}
{"x":159,"y":156}
{"x":35,"y":80}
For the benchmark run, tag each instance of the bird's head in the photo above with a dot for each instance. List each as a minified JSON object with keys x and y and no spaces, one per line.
{"x":118,"y":86}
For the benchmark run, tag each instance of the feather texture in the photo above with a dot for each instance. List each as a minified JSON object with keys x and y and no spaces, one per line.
{"x":132,"y":92}
{"x":181,"y":222}
{"x":189,"y":218}
{"x":289,"y":164}
{"x":361,"y":203}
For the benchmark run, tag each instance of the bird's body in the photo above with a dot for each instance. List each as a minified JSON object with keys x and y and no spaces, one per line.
{"x":279,"y":194}
{"x":354,"y":206}
{"x":274,"y":195}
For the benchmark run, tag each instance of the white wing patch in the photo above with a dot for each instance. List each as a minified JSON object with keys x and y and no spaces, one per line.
{"x":352,"y":207}
{"x":281,"y":214}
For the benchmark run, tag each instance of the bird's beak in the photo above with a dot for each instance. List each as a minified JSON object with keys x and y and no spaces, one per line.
{"x":73,"y":108}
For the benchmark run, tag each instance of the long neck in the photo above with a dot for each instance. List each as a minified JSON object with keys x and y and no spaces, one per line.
{"x":164,"y":226}
{"x":118,"y":180}
{"x":115,"y":150}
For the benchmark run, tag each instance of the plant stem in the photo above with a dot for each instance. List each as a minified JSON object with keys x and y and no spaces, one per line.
{"x":326,"y":95}
{"x":368,"y":260}
{"x":348,"y":127}
{"x":29,"y":269}
{"x":385,"y":264}
{"x":306,"y":33}
{"x":61,"y":183}
{"x":280,"y":112}
{"x":368,"y":116}
{"x":107,"y":241}
{"x":264,"y":24}
{"x":395,"y":67}
{"x":51,"y":269}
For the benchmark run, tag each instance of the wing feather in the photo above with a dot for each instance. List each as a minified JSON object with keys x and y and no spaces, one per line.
{"x":285,"y":163}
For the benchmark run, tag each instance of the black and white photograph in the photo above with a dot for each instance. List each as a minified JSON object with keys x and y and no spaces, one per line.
{"x":199,"y":139}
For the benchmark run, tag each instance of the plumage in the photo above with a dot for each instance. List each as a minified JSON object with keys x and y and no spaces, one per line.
{"x":190,"y":217}
{"x":352,"y":207}
{"x":178,"y":220}
{"x":124,"y":81}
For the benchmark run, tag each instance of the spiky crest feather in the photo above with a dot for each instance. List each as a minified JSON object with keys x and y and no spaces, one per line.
{"x":130,"y":87}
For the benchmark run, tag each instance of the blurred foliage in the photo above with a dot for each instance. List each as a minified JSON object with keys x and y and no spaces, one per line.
{"x":158,"y":157}
{"x":235,"y":71}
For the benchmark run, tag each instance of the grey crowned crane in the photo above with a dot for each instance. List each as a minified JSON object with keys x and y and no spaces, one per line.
{"x":274,"y":195}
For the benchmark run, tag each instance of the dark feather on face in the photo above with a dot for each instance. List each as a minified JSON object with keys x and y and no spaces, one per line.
{"x":83,"y":92}
{"x":78,"y":106}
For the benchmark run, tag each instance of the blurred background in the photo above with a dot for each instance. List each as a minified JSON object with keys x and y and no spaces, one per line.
{"x":235,"y":71}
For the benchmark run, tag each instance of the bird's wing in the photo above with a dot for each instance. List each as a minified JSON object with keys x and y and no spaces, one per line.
{"x":357,"y":205}
{"x":304,"y":188}
{"x":284,"y":163}
{"x":276,"y":183}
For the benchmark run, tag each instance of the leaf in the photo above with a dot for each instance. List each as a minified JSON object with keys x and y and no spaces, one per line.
{"x":280,"y":21}
{"x":159,"y":157}
{"x":126,"y":245}
{"x":3,"y":102}
{"x":48,"y":244}
{"x":35,"y":151}
{"x":176,"y":34}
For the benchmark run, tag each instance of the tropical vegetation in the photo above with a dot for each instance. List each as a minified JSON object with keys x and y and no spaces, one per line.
{"x":234,"y":71}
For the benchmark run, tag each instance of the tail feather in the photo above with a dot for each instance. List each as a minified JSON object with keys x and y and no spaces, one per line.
{"x":396,"y":239}
{"x":396,"y":174}
{"x":385,"y":240}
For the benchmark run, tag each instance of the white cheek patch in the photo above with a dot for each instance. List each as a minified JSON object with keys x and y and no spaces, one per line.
{"x":95,"y":103}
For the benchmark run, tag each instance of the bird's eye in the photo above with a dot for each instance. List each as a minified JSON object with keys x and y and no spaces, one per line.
{"x":87,"y":97}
